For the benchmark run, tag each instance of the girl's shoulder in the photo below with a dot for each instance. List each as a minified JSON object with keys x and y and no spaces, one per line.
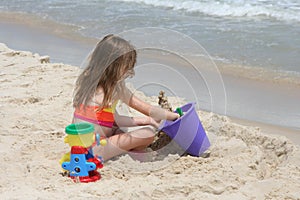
{"x":124,"y":94}
{"x":97,"y":98}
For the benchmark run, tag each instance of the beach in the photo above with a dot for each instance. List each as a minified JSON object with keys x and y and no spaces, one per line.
{"x":238,"y":61}
{"x":244,"y":161}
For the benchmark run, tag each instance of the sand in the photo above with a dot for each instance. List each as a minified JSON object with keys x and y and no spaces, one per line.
{"x":244,"y":162}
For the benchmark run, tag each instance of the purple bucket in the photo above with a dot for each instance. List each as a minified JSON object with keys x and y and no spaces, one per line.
{"x":187,"y":131}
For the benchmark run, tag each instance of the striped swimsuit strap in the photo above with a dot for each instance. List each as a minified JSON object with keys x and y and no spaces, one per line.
{"x":92,"y":114}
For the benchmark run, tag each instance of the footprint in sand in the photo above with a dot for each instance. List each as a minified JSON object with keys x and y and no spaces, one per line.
{"x":30,"y":100}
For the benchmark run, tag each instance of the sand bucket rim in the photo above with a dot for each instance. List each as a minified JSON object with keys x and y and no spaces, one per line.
{"x":178,"y":119}
{"x":79,"y":128}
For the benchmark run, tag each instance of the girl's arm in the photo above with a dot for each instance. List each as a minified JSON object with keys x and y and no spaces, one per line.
{"x":125,"y":121}
{"x":154,"y":112}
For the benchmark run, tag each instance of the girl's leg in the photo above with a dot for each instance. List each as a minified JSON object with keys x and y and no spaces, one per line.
{"x":122,"y":143}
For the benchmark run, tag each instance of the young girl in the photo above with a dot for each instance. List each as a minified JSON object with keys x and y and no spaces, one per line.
{"x":99,"y":88}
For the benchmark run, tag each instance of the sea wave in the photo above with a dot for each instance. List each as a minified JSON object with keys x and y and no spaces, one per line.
{"x":286,"y":10}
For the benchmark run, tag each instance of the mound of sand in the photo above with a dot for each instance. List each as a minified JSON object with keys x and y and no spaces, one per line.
{"x":244,"y":162}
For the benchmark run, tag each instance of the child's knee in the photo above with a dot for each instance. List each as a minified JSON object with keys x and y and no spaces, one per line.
{"x":148,"y":131}
{"x":144,"y":135}
{"x":149,"y":134}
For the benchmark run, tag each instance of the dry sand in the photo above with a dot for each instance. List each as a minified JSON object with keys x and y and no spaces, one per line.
{"x":244,"y":162}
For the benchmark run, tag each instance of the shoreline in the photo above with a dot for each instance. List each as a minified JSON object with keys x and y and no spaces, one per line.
{"x":66,"y":31}
{"x":271,"y":129}
{"x":247,"y":99}
{"x":70,"y":33}
{"x":60,"y":42}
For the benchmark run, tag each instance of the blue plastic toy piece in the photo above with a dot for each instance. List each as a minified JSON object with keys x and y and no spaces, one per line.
{"x":78,"y":166}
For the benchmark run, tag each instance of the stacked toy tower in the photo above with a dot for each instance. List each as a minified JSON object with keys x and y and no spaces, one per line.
{"x":80,"y":162}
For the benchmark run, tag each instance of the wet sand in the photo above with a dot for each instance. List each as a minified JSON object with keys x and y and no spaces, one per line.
{"x":30,"y":33}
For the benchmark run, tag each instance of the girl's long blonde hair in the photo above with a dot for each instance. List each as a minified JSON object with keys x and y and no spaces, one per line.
{"x":112,"y":58}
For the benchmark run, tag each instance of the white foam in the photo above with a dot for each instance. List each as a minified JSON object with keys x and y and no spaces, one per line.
{"x":287,"y":10}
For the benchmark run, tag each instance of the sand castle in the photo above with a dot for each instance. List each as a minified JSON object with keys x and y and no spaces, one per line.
{"x":161,"y":139}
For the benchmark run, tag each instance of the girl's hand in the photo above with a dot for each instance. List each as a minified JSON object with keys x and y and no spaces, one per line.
{"x":159,"y":114}
{"x":153,"y":122}
{"x":172,"y":116}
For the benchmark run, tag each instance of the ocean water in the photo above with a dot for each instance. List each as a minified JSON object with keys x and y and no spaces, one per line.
{"x":252,"y":34}
{"x":258,"y":33}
